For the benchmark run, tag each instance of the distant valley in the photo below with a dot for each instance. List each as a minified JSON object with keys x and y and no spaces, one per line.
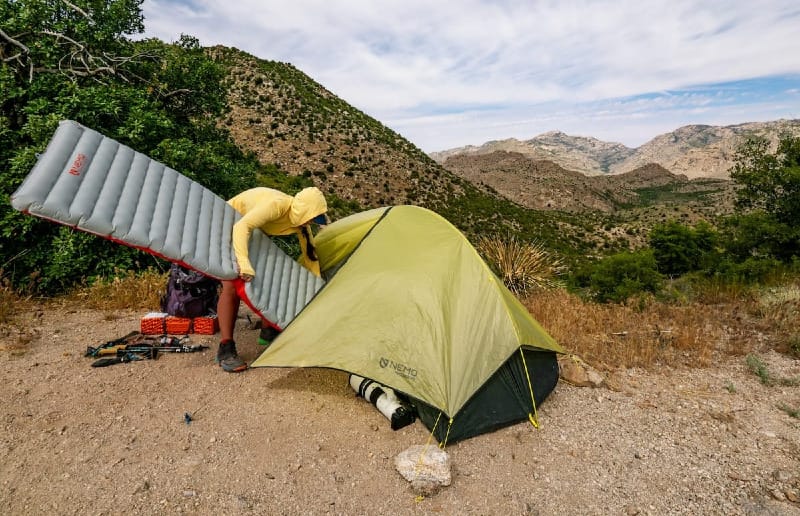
{"x":647,"y":195}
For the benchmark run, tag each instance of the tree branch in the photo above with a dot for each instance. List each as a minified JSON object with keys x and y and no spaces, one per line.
{"x":176,"y":92}
{"x":78,"y":10}
{"x":58,"y":35}
{"x":14,"y":41}
{"x":77,"y":61}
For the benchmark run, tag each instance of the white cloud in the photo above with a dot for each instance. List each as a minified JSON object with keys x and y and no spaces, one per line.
{"x":404,"y":61}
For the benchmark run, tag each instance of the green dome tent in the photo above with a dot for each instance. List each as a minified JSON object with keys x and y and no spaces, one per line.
{"x":410,"y":304}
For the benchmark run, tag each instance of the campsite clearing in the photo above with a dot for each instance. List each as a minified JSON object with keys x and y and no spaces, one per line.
{"x":297,"y":441}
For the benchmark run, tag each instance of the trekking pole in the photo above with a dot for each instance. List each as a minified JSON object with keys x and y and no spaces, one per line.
{"x":172,"y":349}
{"x":116,"y":344}
{"x":115,"y":347}
{"x":121,"y":359}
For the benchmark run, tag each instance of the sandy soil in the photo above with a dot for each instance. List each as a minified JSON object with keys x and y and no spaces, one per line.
{"x":81,"y":440}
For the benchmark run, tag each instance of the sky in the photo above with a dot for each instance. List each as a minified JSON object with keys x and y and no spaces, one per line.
{"x":450,"y":74}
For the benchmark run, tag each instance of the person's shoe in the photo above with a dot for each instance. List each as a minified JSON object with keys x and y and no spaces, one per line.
{"x":228,"y":359}
{"x":267,"y":335}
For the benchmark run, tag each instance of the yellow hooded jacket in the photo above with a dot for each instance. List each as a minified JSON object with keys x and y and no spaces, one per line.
{"x":275,"y":213}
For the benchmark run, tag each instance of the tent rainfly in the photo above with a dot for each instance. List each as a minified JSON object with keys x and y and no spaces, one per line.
{"x":410,"y":304}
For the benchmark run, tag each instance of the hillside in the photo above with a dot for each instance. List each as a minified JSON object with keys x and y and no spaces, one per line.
{"x":536,"y":184}
{"x":694,"y":151}
{"x":544,"y":185}
{"x":702,"y":150}
{"x":295,"y":125}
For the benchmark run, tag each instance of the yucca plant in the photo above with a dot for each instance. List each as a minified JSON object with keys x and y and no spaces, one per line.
{"x":522,"y":266}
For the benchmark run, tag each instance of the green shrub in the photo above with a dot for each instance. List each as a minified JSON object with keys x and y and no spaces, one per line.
{"x":767,"y":199}
{"x":760,"y":234}
{"x":623,"y":275}
{"x":794,"y":344}
{"x":749,"y":271}
{"x":679,"y":249}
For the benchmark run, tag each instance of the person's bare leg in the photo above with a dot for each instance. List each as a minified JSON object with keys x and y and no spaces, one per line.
{"x":227,"y":310}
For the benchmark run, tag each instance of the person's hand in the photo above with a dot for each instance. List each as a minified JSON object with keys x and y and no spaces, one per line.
{"x":245,"y":277}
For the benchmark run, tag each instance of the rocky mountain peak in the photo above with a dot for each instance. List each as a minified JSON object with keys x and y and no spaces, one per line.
{"x":693,"y":150}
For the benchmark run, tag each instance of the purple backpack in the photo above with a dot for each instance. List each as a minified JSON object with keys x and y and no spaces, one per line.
{"x":189,"y":293}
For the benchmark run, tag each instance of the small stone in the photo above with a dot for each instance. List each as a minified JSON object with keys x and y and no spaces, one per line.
{"x":243,"y":502}
{"x":189,"y":494}
{"x":778,"y":494}
{"x":141,"y":488}
{"x":792,"y":496}
{"x":632,"y":510}
{"x":781,"y":475}
{"x":594,"y":378}
{"x":735,"y":475}
{"x":573,"y":372}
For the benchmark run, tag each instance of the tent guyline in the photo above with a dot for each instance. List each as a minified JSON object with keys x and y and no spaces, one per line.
{"x":534,"y":417}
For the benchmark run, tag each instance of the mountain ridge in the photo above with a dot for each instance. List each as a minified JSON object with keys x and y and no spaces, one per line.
{"x":695,"y":150}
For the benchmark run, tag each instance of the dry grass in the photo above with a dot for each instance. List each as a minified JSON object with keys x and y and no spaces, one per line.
{"x":522,"y":266}
{"x":142,"y":290}
{"x":779,"y":307}
{"x":648,"y":334}
{"x":643,"y":334}
{"x":126,"y":291}
{"x":15,"y":336}
{"x":9,"y":303}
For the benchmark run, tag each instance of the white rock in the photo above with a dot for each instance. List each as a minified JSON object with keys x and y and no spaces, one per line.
{"x":426,"y":467}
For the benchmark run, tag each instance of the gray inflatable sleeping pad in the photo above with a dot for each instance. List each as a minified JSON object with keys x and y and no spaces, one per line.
{"x":95,"y":184}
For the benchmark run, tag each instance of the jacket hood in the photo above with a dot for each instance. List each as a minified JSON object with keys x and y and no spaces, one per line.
{"x":307,"y":204}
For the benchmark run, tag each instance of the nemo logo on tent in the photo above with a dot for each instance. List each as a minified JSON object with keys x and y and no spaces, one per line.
{"x":401,"y":369}
{"x":77,"y":165}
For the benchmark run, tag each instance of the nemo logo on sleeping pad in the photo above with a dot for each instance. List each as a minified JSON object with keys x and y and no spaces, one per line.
{"x":77,"y":165}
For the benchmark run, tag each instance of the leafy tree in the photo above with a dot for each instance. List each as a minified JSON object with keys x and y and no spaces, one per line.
{"x":679,"y":249}
{"x":767,"y":181}
{"x":768,"y":197}
{"x":758,"y":234}
{"x":74,"y":60}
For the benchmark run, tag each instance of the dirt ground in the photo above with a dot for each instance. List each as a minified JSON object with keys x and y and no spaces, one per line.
{"x":81,"y":440}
